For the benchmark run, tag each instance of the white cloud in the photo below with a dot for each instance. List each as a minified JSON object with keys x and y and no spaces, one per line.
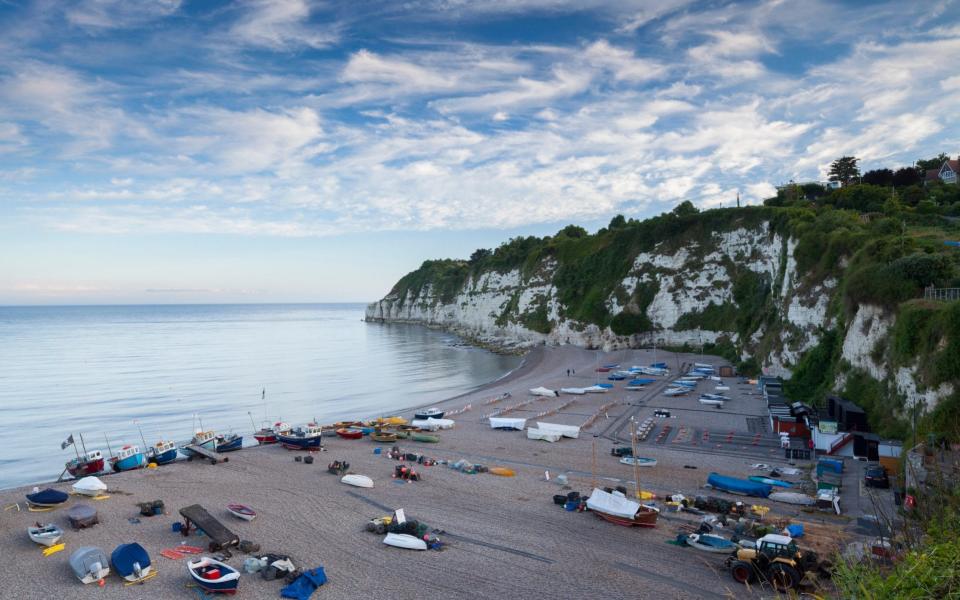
{"x":111,"y":14}
{"x":281,"y":25}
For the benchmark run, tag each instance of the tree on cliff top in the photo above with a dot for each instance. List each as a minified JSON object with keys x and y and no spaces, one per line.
{"x":844,"y":169}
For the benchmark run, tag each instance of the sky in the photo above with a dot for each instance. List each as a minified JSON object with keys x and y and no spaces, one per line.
{"x":156,"y":151}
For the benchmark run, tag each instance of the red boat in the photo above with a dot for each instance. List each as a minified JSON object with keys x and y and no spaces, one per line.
{"x":604,"y":369}
{"x":268,"y":435}
{"x":645,"y":517}
{"x":349,"y":434}
{"x":89,"y":464}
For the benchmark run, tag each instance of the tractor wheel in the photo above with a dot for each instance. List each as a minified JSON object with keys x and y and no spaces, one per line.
{"x":783,"y":577}
{"x":381,"y":528}
{"x":742,"y":572}
{"x":371,"y":526}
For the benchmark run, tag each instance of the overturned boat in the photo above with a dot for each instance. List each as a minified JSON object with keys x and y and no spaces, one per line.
{"x":131,"y":562}
{"x":404,"y":540}
{"x":90,"y":486}
{"x":89,"y":564}
{"x":743,"y":487}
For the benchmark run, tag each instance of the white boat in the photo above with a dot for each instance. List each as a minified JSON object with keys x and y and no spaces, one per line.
{"x":45,"y":535}
{"x":361,"y":481}
{"x":722,"y":388}
{"x":596,"y":389}
{"x":676,"y":391}
{"x":573,"y":391}
{"x":641,"y":461}
{"x":546,"y":436}
{"x":89,"y":564}
{"x":90,"y":486}
{"x":717,"y":379}
{"x":404,"y":540}
{"x":711,"y":401}
{"x":792,"y":498}
{"x":567,"y":431}
{"x":542,"y":391}
{"x":507,"y":423}
{"x":433,"y":424}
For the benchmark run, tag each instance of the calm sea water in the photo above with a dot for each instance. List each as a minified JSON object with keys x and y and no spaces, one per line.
{"x":104,"y":370}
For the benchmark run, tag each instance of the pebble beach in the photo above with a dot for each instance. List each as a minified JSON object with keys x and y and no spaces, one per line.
{"x":502,"y":536}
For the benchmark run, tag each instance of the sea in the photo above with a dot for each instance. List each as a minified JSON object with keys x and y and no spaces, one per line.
{"x":135,"y":374}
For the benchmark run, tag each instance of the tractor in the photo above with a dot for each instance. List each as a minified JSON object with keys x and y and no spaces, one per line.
{"x":775,"y":559}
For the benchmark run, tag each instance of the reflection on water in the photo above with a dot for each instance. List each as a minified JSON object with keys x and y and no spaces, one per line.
{"x":105,"y":369}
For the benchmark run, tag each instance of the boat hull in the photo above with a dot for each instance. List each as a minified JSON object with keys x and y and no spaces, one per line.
{"x":265,"y":437}
{"x":231,"y":445}
{"x":642,"y":519}
{"x":45,"y":536}
{"x":350,"y":434}
{"x":226,"y":584}
{"x":84,"y":468}
{"x":300,"y":443}
{"x":135,"y":461}
{"x":165,"y":458}
{"x":428,"y":414}
{"x":242,"y":512}
{"x":640,"y":461}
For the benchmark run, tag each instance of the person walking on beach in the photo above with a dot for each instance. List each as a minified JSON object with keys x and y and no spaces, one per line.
{"x":568,"y":372}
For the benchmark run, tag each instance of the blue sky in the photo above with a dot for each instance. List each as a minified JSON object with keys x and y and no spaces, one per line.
{"x":292,"y":150}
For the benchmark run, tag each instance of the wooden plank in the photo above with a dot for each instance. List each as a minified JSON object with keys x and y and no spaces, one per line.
{"x":197,"y":516}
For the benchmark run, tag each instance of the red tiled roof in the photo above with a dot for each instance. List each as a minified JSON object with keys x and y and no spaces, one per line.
{"x":932,"y":174}
{"x":954,"y":165}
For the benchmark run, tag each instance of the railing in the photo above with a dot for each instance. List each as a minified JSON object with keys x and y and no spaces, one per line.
{"x":840,"y":443}
{"x":945,"y":294}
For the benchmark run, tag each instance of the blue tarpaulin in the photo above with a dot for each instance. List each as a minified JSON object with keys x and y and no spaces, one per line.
{"x":739,"y":486}
{"x":304,"y":586}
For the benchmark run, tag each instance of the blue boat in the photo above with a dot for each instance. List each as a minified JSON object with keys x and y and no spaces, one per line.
{"x":605,"y":385}
{"x":131,"y":562}
{"x":613,"y":366}
{"x":163,"y":452}
{"x":660,"y":365}
{"x":214,"y":576}
{"x":205,"y":439}
{"x":229,"y":443}
{"x":47,"y":497}
{"x":128,"y":458}
{"x":689,"y":384}
{"x":302,"y":438}
{"x":743,"y":487}
{"x":770,"y":481}
{"x":640,"y":381}
{"x":616,"y":377}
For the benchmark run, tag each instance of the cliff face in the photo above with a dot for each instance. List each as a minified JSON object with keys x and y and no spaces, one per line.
{"x":736,"y":286}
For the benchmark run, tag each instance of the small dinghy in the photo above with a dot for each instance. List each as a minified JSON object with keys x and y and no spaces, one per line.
{"x":639,"y":460}
{"x":82,"y":516}
{"x":242,"y":512}
{"x":424,"y":438}
{"x":384,"y":437}
{"x":349,"y":434}
{"x":361,"y":481}
{"x":131,"y":562}
{"x":709,"y":543}
{"x":90,"y":486}
{"x":214,"y":576}
{"x":45,"y":535}
{"x":89,"y":564}
{"x":404,"y":540}
{"x":47,"y":498}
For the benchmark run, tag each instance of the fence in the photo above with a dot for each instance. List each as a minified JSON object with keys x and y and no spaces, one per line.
{"x":945,"y":294}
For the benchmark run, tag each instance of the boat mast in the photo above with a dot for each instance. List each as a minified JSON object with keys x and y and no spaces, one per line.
{"x":141,"y":436}
{"x":78,"y":452}
{"x":82,"y":444}
{"x":633,"y":449}
{"x":249,"y":414}
{"x":107,"y":440}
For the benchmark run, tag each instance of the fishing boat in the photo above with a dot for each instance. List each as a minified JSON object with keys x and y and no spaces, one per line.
{"x":307,"y":437}
{"x":128,"y":458}
{"x":89,"y":486}
{"x":46,"y":498}
{"x":45,"y":535}
{"x":709,"y":542}
{"x":770,"y":481}
{"x":214,"y":576}
{"x":131,"y":562}
{"x":90,"y":463}
{"x":204,"y":439}
{"x":349,"y":434}
{"x":361,"y":481}
{"x":242,"y":512}
{"x":640,"y":461}
{"x":163,"y":452}
{"x":383,"y":437}
{"x":229,"y":442}
{"x":617,"y":508}
{"x":89,"y":564}
{"x":405,"y":540}
{"x":429,"y":413}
